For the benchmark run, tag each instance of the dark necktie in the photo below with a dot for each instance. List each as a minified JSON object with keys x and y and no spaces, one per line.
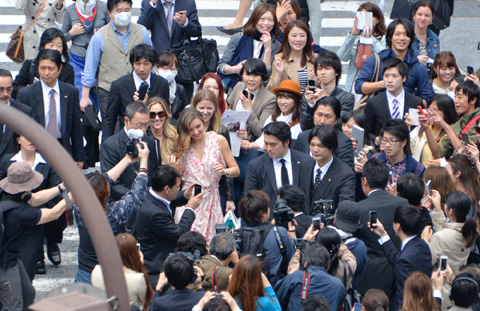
{"x":169,"y":5}
{"x":318,"y":179}
{"x":52,"y":115}
{"x":284,"y":173}
{"x":396,"y":109}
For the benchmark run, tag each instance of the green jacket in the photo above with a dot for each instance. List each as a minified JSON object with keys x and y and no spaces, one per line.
{"x":446,"y":144}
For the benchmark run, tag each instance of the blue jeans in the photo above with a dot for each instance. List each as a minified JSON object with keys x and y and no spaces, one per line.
{"x":83,"y":277}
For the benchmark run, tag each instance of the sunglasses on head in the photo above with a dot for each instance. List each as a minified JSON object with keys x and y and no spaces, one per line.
{"x":160,"y":114}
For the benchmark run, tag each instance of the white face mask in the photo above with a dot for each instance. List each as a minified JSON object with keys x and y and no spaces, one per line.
{"x":90,"y":5}
{"x":451,"y":95}
{"x":167,"y":74}
{"x":123,"y":19}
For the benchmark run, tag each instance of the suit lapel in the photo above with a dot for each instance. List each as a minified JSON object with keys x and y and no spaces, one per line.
{"x":326,"y":181}
{"x":163,"y":18}
{"x":6,"y":139}
{"x":270,"y":170}
{"x":295,"y":168}
{"x":63,"y":107}
{"x":40,"y":106}
{"x":259,"y":101}
{"x":131,"y":84}
{"x":386,"y":107}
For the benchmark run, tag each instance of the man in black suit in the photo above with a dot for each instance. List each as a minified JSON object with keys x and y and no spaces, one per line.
{"x":179,"y":272}
{"x":414,"y":253}
{"x":395,"y":101}
{"x":325,"y":177}
{"x":327,"y":111}
{"x":155,"y":228}
{"x":170,"y":22}
{"x":278,"y":167}
{"x":125,"y":89}
{"x":50,"y":93}
{"x":6,"y":133}
{"x":295,"y":198}
{"x":115,"y":147}
{"x":374,"y":181}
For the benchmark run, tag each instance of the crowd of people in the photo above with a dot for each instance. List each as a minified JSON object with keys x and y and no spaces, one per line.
{"x":362,"y":196}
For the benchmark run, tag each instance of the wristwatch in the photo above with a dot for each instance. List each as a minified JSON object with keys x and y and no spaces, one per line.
{"x":227,"y":172}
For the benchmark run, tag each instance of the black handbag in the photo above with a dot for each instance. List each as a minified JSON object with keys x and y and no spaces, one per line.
{"x":196,"y":58}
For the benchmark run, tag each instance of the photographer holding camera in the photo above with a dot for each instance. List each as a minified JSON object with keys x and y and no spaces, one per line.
{"x":312,"y":280}
{"x":294,"y":198}
{"x":179,"y":272}
{"x":124,"y":142}
{"x":258,"y":236}
{"x":223,"y":251}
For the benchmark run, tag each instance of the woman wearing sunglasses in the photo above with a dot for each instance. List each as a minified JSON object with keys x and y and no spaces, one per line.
{"x":160,"y":128}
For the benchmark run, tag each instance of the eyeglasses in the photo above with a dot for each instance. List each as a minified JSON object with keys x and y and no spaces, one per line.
{"x":8,"y":89}
{"x":477,"y":130}
{"x":160,"y":114}
{"x":391,"y":141}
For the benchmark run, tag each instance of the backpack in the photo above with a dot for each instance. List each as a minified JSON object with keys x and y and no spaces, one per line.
{"x":253,"y":240}
{"x":5,"y":206}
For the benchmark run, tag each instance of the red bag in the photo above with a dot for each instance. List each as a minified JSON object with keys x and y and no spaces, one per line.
{"x":364,"y":51}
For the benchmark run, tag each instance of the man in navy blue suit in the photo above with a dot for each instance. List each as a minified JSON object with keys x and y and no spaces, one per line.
{"x":170,"y":22}
{"x":414,"y":254}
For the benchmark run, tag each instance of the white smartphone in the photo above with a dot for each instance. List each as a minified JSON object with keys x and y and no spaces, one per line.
{"x":443,"y":263}
{"x":364,"y":19}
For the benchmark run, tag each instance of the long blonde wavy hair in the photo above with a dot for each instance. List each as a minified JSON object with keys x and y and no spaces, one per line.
{"x":205,"y":94}
{"x":169,"y":131}
{"x":183,"y":130}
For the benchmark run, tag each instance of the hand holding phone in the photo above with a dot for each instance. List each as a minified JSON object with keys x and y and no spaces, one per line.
{"x":142,"y":91}
{"x":316,"y":221}
{"x":372,"y":218}
{"x":443,"y":263}
{"x":311,"y":85}
{"x":465,"y":138}
{"x":421,"y":110}
{"x":429,"y":187}
{"x":470,"y":70}
{"x":197,"y":189}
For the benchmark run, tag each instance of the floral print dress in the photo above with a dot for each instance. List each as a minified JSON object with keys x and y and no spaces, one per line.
{"x":201,"y":172}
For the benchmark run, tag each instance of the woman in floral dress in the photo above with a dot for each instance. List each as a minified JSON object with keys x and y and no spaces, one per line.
{"x":203,"y":158}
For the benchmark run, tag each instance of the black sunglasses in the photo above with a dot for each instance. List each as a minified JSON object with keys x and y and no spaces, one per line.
{"x":477,"y":130}
{"x":160,"y":114}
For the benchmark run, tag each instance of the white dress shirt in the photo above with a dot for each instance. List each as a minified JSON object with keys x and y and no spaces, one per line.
{"x":401,"y":103}
{"x":324,"y":169}
{"x":156,"y":196}
{"x":38,"y":159}
{"x":277,"y":166}
{"x":139,"y":81}
{"x":257,"y":48}
{"x":46,"y":105}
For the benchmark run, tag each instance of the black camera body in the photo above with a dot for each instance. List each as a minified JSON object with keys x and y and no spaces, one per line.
{"x":325,"y":210}
{"x":132,"y":146}
{"x":282,"y":213}
{"x":237,"y":234}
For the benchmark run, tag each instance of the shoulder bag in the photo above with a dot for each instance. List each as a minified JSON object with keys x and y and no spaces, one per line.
{"x":15,"y":50}
{"x":363,"y":101}
{"x":195,"y":58}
